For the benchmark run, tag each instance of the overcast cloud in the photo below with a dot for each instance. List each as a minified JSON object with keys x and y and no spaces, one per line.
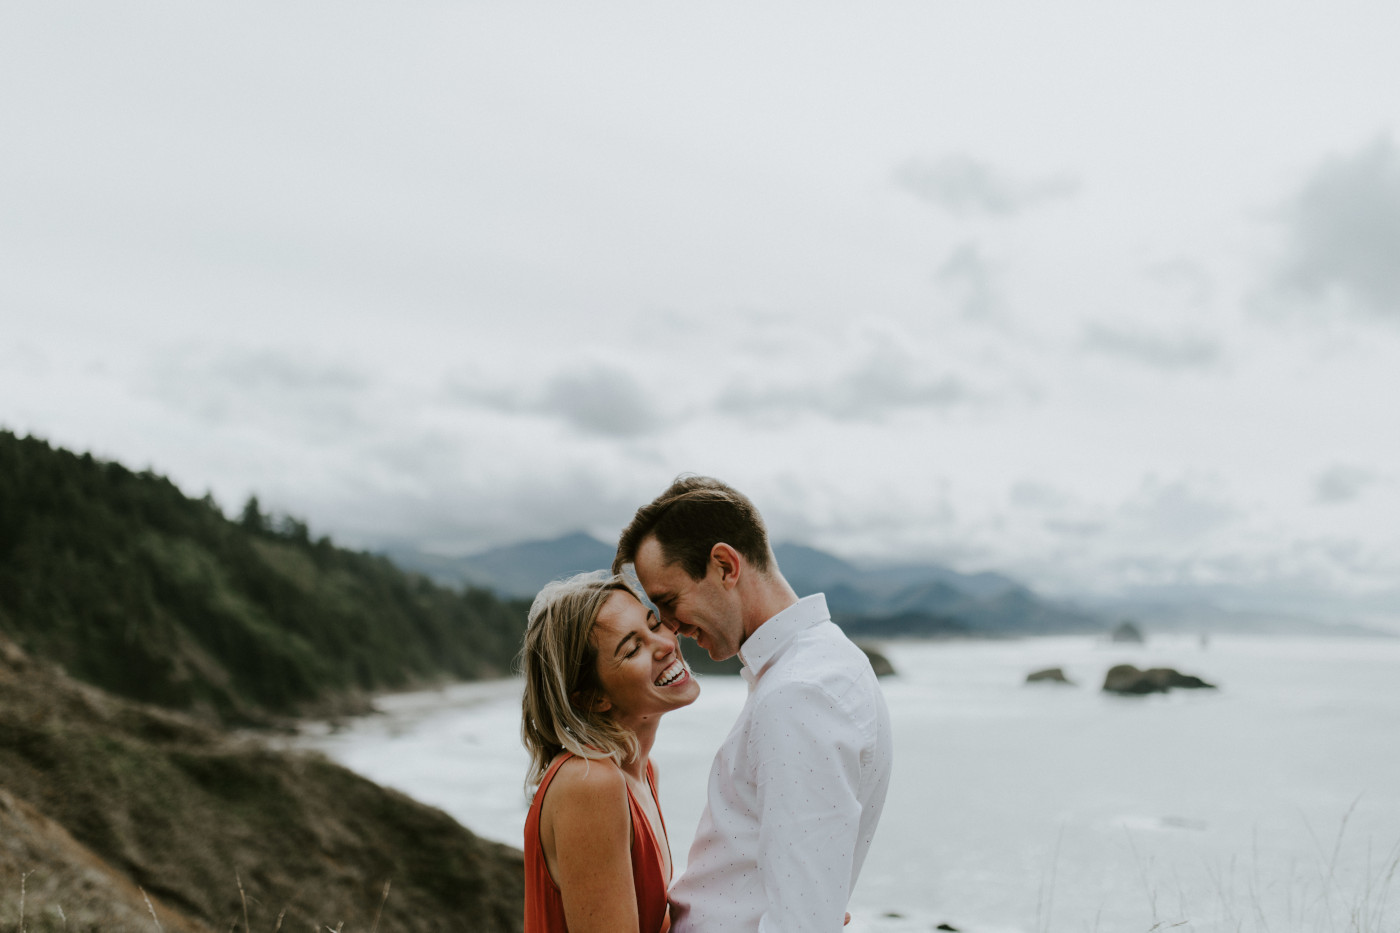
{"x":964,"y":186}
{"x":925,"y":286}
{"x":598,"y":399}
{"x":970,"y":278}
{"x":886,"y":382}
{"x":1341,"y":483}
{"x":1161,"y":351}
{"x":1344,"y":232}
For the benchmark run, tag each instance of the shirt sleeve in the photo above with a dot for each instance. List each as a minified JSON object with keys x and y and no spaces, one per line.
{"x":808,"y":747}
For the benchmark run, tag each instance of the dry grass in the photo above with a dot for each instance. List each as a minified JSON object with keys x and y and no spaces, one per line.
{"x":1335,"y":894}
{"x":96,"y":920}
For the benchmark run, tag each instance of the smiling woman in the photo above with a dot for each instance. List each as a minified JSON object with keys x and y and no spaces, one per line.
{"x":600,"y":671}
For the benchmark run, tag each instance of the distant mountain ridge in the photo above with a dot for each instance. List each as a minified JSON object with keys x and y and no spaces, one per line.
{"x":516,"y":570}
{"x":888,"y":600}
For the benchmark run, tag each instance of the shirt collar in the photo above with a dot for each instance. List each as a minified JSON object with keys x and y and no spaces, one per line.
{"x":760,"y":648}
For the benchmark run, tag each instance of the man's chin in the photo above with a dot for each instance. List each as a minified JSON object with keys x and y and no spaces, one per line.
{"x":716,"y":652}
{"x":719,"y":652}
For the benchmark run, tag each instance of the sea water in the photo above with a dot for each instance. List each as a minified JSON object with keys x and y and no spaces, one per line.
{"x":1269,"y":804}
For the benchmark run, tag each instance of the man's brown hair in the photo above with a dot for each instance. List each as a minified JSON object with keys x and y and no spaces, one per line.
{"x":689,"y":519}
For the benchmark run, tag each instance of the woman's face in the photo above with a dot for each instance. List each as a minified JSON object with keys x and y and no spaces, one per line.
{"x":639,"y":663}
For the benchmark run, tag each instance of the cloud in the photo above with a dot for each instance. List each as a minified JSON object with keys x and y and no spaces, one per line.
{"x":888,"y":381}
{"x":1341,"y":484}
{"x":1188,"y":278}
{"x":1168,"y":352}
{"x":601,"y":401}
{"x":1070,"y":528}
{"x":283,"y":390}
{"x":964,"y":186}
{"x":457,"y":504}
{"x":598,"y":400}
{"x":972,"y":276}
{"x":1343,"y":232}
{"x":1181,"y":511}
{"x":1030,"y":494}
{"x":278,"y":372}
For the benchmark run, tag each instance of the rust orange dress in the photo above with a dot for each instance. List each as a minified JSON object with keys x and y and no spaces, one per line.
{"x":544,"y":907}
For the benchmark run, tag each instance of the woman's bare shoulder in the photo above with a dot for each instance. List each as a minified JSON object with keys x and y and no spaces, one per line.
{"x":587,"y":784}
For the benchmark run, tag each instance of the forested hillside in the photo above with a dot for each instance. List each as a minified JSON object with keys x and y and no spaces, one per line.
{"x":133,"y":586}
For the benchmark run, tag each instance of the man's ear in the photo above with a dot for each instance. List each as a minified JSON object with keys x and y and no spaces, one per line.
{"x":728,"y":563}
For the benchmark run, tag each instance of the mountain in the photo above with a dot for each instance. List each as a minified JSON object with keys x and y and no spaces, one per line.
{"x":890,"y":578}
{"x":138,"y":589}
{"x":516,"y":570}
{"x":884,"y":600}
{"x":1187,"y":609}
{"x":521,"y":569}
{"x":810,"y":570}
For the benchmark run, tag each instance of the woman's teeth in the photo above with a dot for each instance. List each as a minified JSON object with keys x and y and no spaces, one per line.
{"x":674,"y":672}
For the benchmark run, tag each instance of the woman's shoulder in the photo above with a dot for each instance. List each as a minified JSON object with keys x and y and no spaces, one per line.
{"x":585,"y":782}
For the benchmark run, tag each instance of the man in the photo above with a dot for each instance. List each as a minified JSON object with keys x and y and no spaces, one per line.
{"x":797,"y":788}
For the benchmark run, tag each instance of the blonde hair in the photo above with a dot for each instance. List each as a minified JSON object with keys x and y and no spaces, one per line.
{"x":560,"y":664}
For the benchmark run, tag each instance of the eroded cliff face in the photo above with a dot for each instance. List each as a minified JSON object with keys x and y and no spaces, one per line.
{"x":106,"y":804}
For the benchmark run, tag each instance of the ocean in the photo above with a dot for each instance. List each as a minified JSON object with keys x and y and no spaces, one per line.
{"x":1269,"y":804}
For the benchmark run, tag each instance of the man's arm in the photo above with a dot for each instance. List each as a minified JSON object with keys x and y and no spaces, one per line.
{"x":807,"y":744}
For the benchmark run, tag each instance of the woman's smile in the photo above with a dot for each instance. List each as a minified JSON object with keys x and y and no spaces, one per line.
{"x":675,"y":673}
{"x":640,"y":668}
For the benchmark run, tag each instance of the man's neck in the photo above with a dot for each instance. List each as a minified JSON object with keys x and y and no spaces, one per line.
{"x":770,"y":595}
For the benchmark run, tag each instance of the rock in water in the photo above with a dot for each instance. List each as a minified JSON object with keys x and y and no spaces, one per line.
{"x":1127,"y":633}
{"x":1127,"y":679}
{"x":881,"y":664}
{"x":1051,"y":675}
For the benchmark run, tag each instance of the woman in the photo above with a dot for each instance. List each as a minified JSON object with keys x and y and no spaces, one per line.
{"x":600,"y":671}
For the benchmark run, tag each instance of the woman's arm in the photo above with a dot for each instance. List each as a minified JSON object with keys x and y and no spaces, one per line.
{"x":590,"y":828}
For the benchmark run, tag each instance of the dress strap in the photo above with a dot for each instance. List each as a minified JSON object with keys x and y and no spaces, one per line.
{"x":553,"y":770}
{"x":655,"y":794}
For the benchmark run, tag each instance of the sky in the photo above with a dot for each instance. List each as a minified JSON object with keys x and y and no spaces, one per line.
{"x":1102,"y":295}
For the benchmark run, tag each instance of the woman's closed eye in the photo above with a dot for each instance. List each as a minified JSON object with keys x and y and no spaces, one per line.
{"x":653,"y":623}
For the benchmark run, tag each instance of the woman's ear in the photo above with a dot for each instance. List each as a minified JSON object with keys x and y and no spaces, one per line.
{"x":592,"y":702}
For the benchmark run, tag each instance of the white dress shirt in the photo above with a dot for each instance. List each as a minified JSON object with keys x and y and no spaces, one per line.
{"x":795,"y":790}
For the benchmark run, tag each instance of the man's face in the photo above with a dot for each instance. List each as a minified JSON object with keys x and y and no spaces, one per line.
{"x":706,"y":609}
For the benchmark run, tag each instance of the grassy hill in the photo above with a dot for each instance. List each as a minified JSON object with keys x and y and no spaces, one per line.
{"x":134,"y":587}
{"x":106,"y":803}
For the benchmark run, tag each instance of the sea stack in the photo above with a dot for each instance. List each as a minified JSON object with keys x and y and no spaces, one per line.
{"x":1127,"y":633}
{"x":1128,"y":680}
